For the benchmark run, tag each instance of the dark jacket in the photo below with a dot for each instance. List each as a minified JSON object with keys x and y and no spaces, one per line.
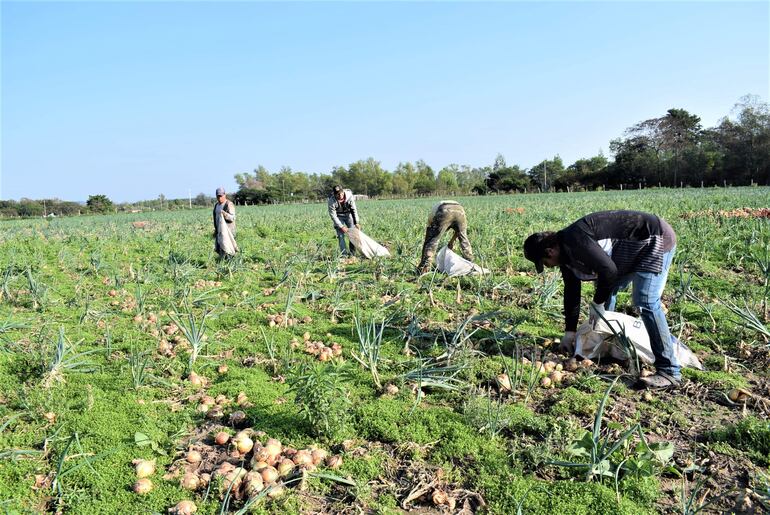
{"x":346,"y":207}
{"x":606,"y":246}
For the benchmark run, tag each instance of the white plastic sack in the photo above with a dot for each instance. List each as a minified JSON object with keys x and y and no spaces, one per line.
{"x":599,"y":342}
{"x":367,"y":246}
{"x":225,"y":238}
{"x":454,"y":266}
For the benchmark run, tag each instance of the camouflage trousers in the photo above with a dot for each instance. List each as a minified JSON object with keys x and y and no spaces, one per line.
{"x":448,"y":216}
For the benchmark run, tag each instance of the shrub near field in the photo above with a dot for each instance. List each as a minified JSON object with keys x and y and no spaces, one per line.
{"x":90,"y":380}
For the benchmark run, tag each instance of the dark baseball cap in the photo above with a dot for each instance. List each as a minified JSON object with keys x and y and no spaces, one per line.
{"x":220,"y":191}
{"x":535,"y":246}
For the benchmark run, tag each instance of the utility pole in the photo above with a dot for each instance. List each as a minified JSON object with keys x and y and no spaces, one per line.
{"x":189,"y":196}
{"x":545,"y":176}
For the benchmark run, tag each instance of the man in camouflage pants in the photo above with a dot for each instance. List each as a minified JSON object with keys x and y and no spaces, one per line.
{"x":447,"y":214}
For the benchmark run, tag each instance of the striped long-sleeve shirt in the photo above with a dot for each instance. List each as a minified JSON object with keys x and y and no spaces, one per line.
{"x":606,"y":246}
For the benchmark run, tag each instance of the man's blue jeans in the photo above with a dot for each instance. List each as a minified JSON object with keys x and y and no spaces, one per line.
{"x":646,"y":295}
{"x":346,"y":220}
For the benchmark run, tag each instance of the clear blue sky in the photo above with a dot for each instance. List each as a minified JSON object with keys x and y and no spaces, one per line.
{"x":135,"y":99}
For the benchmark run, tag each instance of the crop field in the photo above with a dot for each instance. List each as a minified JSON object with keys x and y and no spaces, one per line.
{"x":137,"y":371}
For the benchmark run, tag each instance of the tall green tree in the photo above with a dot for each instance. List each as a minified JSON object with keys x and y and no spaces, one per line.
{"x":99,"y":204}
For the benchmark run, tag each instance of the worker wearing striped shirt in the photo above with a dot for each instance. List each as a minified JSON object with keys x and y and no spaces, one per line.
{"x":615,"y":248}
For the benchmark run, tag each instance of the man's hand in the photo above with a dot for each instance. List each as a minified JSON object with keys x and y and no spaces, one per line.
{"x":595,"y":313}
{"x":344,"y":229}
{"x":358,"y":226}
{"x":568,"y":342}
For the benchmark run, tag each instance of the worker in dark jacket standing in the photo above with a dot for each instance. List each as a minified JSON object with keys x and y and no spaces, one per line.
{"x":615,"y":248}
{"x":445,"y":215}
{"x":344,"y":215}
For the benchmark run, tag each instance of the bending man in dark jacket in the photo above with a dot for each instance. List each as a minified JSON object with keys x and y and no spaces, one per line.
{"x":615,"y":248}
{"x":344,"y":215}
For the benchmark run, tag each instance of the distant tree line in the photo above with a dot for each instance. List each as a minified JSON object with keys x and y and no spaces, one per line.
{"x":96,"y":204}
{"x":670,"y":151}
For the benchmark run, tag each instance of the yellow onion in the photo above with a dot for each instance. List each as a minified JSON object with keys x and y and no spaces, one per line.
{"x":306,"y":336}
{"x":260,"y":454}
{"x":318,"y":455}
{"x":221,"y":438}
{"x":275,"y":491}
{"x":195,"y":379}
{"x":504,"y":383}
{"x":273,"y":448}
{"x":571,"y":365}
{"x":190,"y":481}
{"x":215,"y":413}
{"x":254,"y":483}
{"x":244,"y":444}
{"x":224,"y":468}
{"x":303,"y":458}
{"x":183,"y":508}
{"x":222,"y":369}
{"x":234,"y":478}
{"x":549,"y":366}
{"x":556,"y":376}
{"x":241,"y":399}
{"x":439,"y":497}
{"x":237,"y":418}
{"x":221,"y":399}
{"x":325,"y":354}
{"x":269,"y":474}
{"x":337,"y":349}
{"x":285,"y":467}
{"x":739,"y":395}
{"x":193,"y":456}
{"x":144,"y":468}
{"x":391,"y":389}
{"x":545,"y":382}
{"x":142,"y":486}
{"x":259,"y":465}
{"x":50,"y":417}
{"x":334,"y":462}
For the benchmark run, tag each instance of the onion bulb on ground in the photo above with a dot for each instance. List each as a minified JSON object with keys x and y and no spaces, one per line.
{"x":144,"y":468}
{"x":439,"y":497}
{"x":193,"y":456}
{"x":285,"y":467}
{"x":221,"y":438}
{"x":334,"y":462}
{"x":183,"y":508}
{"x":243,"y":444}
{"x":237,"y":418}
{"x":253,"y":483}
{"x":142,"y":486}
{"x":303,"y":458}
{"x":503,"y":383}
{"x":739,"y":395}
{"x":546,"y":382}
{"x":391,"y":389}
{"x":318,"y":455}
{"x":190,"y":481}
{"x":269,"y":474}
{"x":195,"y":379}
